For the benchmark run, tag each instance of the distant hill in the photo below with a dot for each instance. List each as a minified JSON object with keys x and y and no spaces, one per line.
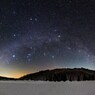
{"x":76,"y":74}
{"x":6,"y":78}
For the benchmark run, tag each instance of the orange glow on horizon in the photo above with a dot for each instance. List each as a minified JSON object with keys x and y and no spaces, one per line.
{"x":11,"y":73}
{"x":14,"y":75}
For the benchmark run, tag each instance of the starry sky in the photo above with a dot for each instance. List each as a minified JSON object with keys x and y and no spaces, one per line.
{"x":45,"y":34}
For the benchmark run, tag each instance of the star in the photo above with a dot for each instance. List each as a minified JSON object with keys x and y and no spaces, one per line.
{"x":53,"y":56}
{"x":29,"y":54}
{"x":13,"y":55}
{"x":69,"y":48}
{"x":14,"y":35}
{"x":31,"y":19}
{"x":44,"y":54}
{"x":88,"y":55}
{"x":14,"y":12}
{"x":55,"y":30}
{"x":36,"y":19}
{"x":79,"y":51}
{"x":59,"y":36}
{"x":31,"y":47}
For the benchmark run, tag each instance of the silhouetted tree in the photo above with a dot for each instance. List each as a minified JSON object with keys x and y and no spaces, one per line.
{"x":78,"y":79}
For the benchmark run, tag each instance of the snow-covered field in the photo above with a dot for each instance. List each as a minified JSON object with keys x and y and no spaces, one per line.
{"x":46,"y":88}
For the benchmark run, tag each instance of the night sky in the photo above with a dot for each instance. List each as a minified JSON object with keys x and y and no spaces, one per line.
{"x":45,"y":34}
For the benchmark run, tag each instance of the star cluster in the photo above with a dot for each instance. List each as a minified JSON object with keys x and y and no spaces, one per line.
{"x":45,"y":34}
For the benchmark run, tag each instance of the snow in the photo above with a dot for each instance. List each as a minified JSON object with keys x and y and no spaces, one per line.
{"x":47,"y":88}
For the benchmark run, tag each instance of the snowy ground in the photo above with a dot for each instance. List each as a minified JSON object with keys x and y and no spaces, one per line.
{"x":46,"y":88}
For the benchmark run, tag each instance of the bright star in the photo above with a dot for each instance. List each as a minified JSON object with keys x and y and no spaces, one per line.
{"x":13,"y":56}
